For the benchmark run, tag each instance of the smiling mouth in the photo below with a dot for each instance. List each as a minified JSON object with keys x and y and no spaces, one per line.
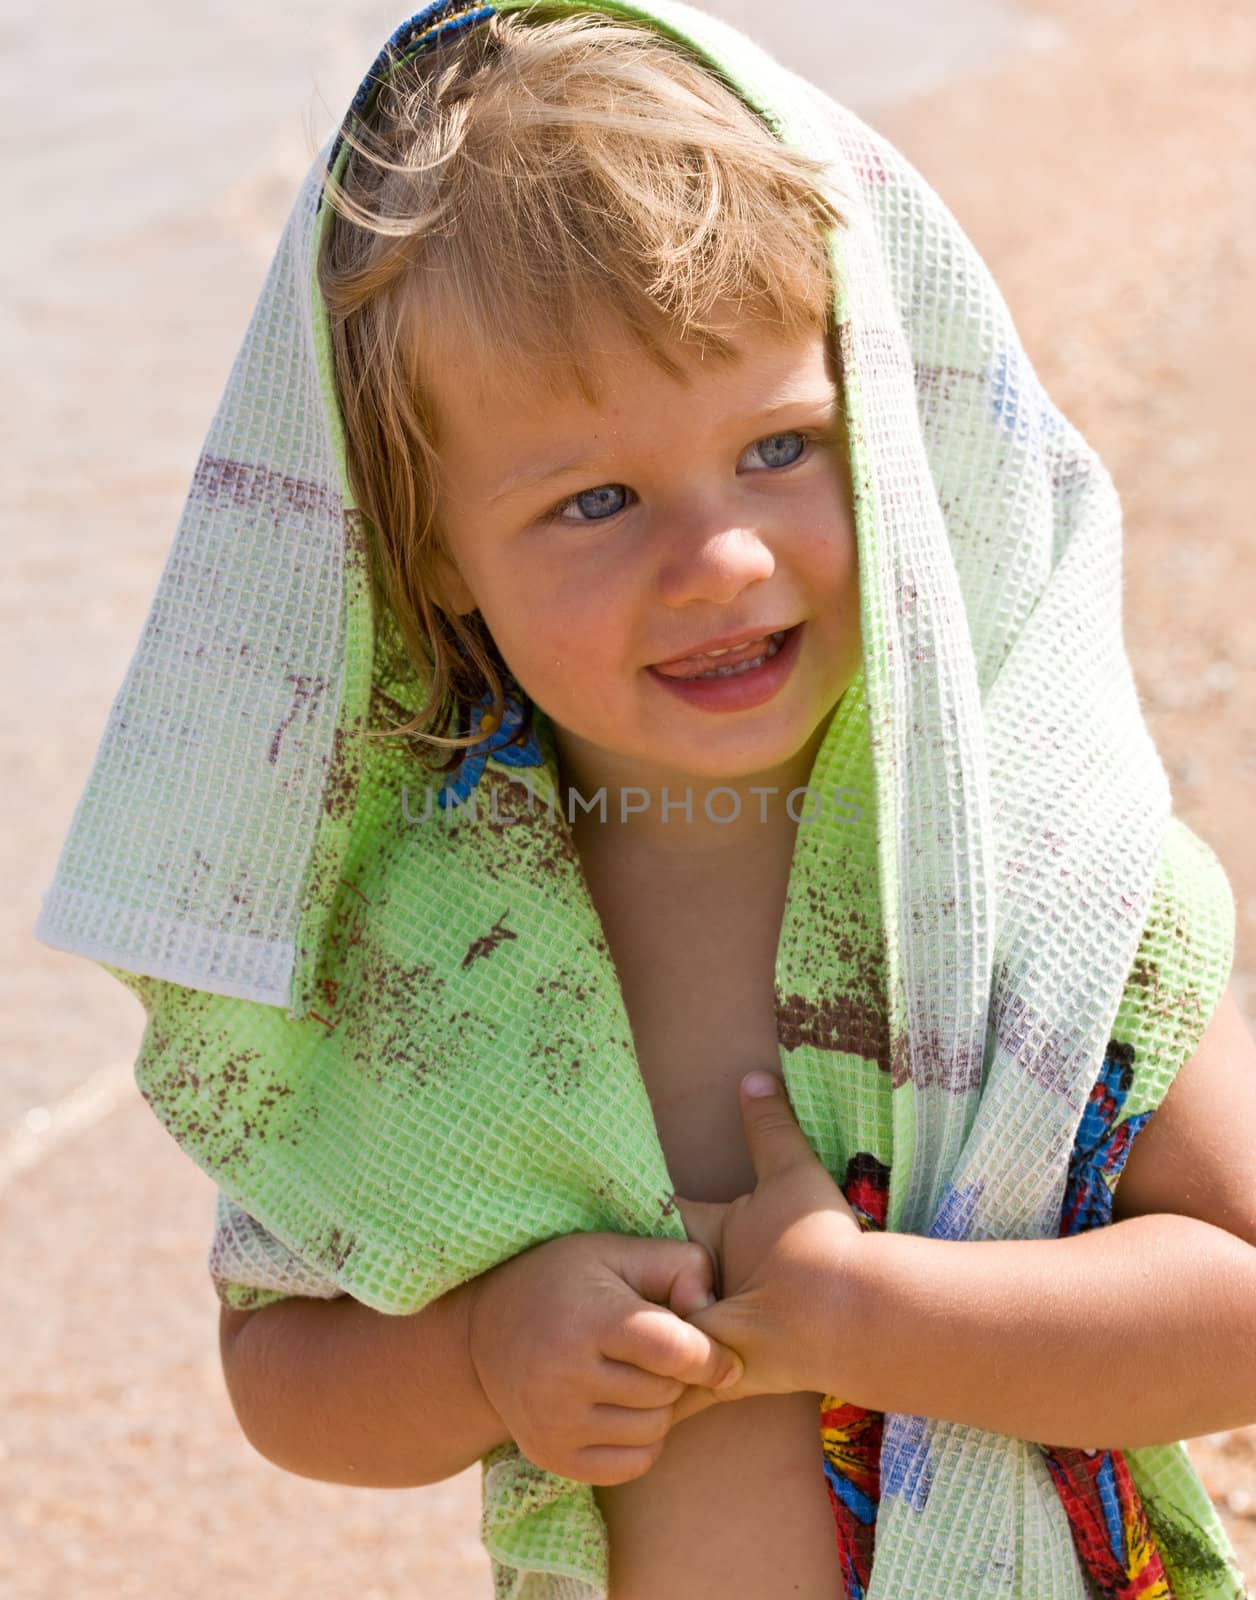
{"x":727,"y":663}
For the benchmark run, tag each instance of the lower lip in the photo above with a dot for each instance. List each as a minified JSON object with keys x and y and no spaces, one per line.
{"x":742,"y":692}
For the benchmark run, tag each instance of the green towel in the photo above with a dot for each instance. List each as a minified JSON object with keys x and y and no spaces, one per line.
{"x":400,"y":1047}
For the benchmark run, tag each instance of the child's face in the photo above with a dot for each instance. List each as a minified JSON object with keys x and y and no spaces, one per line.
{"x":669,"y":517}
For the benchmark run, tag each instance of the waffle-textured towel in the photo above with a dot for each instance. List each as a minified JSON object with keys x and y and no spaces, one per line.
{"x":395,"y":1036}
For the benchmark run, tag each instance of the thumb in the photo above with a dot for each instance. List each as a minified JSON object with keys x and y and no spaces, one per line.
{"x":773,"y":1137}
{"x":665,"y":1272}
{"x":677,"y":1273}
{"x":704,"y":1223}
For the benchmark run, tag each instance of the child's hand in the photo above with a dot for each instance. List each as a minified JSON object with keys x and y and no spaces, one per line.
{"x":783,"y":1252}
{"x":581,"y":1347}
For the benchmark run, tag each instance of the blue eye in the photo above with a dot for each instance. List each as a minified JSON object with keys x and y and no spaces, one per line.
{"x":770,"y":446}
{"x":596,"y":504}
{"x":609,"y":499}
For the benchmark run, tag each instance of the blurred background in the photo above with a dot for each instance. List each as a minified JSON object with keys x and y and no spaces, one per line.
{"x":1103,"y":160}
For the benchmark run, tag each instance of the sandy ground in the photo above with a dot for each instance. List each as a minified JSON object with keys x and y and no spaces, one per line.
{"x":1105,"y":170}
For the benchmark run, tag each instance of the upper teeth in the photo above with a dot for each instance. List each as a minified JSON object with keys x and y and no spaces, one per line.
{"x":702,"y":656}
{"x":749,"y":664}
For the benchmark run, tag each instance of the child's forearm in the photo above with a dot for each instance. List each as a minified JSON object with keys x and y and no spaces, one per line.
{"x":1137,"y":1333}
{"x":330,"y":1389}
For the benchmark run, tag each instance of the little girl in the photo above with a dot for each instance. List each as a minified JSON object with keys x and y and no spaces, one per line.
{"x":629,"y":426}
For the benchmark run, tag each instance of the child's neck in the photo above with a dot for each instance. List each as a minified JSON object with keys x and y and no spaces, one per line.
{"x":634,"y":827}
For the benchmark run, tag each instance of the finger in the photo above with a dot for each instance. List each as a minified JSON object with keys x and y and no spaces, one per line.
{"x":623,"y":1385}
{"x":702,"y":1218}
{"x":695,"y":1400}
{"x":704,"y":1223}
{"x":629,"y":1425}
{"x":697,"y":1286}
{"x":662,"y":1343}
{"x":607,"y":1464}
{"x":667,"y":1272}
{"x":773,"y":1137}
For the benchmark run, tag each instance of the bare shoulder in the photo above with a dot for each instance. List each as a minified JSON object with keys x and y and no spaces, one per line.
{"x":1196,"y":1155}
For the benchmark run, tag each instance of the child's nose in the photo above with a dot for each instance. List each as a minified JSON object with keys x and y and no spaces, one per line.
{"x":713,"y":562}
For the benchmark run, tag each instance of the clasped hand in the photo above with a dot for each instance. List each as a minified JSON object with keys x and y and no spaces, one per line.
{"x":783,"y":1258}
{"x":590,"y":1347}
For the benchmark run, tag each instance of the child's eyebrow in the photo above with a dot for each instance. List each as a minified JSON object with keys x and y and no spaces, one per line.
{"x":822,"y":407}
{"x":533,"y":477}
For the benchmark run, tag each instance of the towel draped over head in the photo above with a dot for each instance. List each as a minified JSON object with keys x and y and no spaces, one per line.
{"x":397,"y":1042}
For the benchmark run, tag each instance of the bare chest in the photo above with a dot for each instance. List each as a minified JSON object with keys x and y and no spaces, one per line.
{"x":737,"y":1502}
{"x":698,"y":979}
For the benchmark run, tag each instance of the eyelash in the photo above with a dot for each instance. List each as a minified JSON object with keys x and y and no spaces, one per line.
{"x":554,"y":513}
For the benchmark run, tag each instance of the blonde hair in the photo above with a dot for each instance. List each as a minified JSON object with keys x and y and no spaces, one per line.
{"x":511,"y":187}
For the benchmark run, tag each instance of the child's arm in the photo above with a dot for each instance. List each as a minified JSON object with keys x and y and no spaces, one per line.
{"x":331,"y":1389}
{"x":1133,"y":1334}
{"x":565,"y":1348}
{"x":1136,"y":1333}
